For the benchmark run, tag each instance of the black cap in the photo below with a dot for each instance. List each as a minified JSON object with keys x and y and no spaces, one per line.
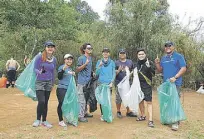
{"x":106,"y":50}
{"x":49,"y":43}
{"x":122,"y":51}
{"x":168,"y":44}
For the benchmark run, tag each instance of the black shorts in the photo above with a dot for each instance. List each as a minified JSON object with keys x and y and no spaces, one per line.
{"x":147,"y":93}
{"x":11,"y":75}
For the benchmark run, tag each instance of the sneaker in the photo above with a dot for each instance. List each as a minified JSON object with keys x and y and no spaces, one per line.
{"x":82,"y":119}
{"x":102,"y":118}
{"x":119,"y":115}
{"x":174,"y":127}
{"x":47,"y":124}
{"x":36,"y":123}
{"x":61,"y":123}
{"x":151,"y":124}
{"x":87,"y":115}
{"x":131,"y":114}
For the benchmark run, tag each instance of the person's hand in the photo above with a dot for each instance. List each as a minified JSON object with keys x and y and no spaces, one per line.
{"x":157,"y":60}
{"x":72,"y":73}
{"x":120,"y":68}
{"x":100,"y":64}
{"x":111,"y":84}
{"x":147,"y":63}
{"x":87,"y":61}
{"x":172,"y":79}
{"x":65,"y":66}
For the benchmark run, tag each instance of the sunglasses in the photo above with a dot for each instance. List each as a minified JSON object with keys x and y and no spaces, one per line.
{"x":167,"y":45}
{"x":122,"y":53}
{"x":89,"y":48}
{"x":50,"y":46}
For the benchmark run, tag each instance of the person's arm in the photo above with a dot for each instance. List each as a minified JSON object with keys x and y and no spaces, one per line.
{"x":55,"y":65}
{"x":18,"y":66}
{"x":7,"y":65}
{"x":37,"y":64}
{"x":98,"y":67}
{"x":61,"y":72}
{"x":158,"y":65}
{"x":80,"y":65}
{"x":114,"y":72}
{"x":152,"y":68}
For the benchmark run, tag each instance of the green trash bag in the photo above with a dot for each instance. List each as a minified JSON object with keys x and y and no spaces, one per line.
{"x":26,"y":81}
{"x":171,"y":110}
{"x":102,"y":93}
{"x":70,"y":106}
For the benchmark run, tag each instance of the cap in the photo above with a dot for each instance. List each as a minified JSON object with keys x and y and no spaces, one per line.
{"x":49,"y":43}
{"x":168,"y":44}
{"x":68,"y":56}
{"x":140,"y":49}
{"x":122,"y":51}
{"x":105,"y":50}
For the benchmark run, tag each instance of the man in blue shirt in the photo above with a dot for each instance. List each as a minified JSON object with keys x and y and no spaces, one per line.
{"x":84,"y":69}
{"x":173,"y":66}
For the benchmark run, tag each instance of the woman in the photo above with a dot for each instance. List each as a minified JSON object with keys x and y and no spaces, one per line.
{"x":44,"y":66}
{"x":64,"y":75}
{"x":105,"y":70}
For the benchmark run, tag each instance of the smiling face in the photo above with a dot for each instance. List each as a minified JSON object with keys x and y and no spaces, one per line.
{"x":88,"y":50}
{"x":122,"y":55}
{"x":50,"y":49}
{"x":105,"y":54}
{"x":141,"y":55}
{"x":68,"y":61}
{"x":169,"y":49}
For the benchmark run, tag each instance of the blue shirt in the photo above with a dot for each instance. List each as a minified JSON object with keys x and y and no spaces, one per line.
{"x":122,"y":73}
{"x":106,"y":73}
{"x":171,"y":66}
{"x":64,"y":82}
{"x":84,"y":75}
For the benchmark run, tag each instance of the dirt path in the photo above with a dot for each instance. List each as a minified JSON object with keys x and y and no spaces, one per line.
{"x":17,"y":114}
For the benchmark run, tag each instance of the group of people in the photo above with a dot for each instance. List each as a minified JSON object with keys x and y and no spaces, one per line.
{"x":108,"y":72}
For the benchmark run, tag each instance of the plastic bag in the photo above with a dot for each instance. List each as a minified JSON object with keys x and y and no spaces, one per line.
{"x":102,"y":93}
{"x":70,"y":106}
{"x":132,"y":97}
{"x":200,"y":90}
{"x":26,"y":81}
{"x":171,"y":110}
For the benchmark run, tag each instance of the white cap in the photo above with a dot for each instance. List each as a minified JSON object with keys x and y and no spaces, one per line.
{"x":68,"y":56}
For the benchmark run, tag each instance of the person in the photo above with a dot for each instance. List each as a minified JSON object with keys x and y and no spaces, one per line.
{"x":84,"y":70}
{"x":3,"y":81}
{"x":12,"y":66}
{"x":120,"y":65}
{"x":26,"y":61}
{"x":146,"y":70}
{"x":105,"y":70}
{"x":172,"y":66}
{"x":64,"y":75}
{"x":44,"y":66}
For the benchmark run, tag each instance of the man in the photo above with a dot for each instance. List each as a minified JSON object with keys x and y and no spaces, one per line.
{"x":120,"y":74}
{"x":146,"y":70}
{"x":84,"y":69}
{"x":173,"y":66}
{"x":12,"y":66}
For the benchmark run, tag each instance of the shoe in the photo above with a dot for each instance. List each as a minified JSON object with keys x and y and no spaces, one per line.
{"x":82,"y":119}
{"x":47,"y":124}
{"x":174,"y":127}
{"x":151,"y":124}
{"x":36,"y":123}
{"x":102,"y":118}
{"x":131,"y":114}
{"x":61,"y":123}
{"x":87,"y":115}
{"x":141,"y":118}
{"x":119,"y":115}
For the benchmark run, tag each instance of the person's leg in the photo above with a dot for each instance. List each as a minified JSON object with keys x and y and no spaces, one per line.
{"x":41,"y":102}
{"x":87,"y":92}
{"x":47,"y":96}
{"x":118,"y":102}
{"x":8,"y":79}
{"x":142,"y":108}
{"x":82,"y":103}
{"x":13,"y":77}
{"x":60,"y":96}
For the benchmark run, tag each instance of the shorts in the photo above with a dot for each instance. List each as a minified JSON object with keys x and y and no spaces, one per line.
{"x":11,"y":75}
{"x":118,"y":99}
{"x":43,"y":85}
{"x":147,"y":93}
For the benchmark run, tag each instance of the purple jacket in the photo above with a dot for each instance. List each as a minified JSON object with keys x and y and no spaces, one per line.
{"x":47,"y":67}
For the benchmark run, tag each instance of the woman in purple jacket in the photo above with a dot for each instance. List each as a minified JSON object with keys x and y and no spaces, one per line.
{"x":45,"y":65}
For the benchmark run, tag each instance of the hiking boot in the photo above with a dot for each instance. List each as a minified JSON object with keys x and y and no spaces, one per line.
{"x":36,"y":123}
{"x":174,"y":127}
{"x":47,"y":124}
{"x":61,"y":123}
{"x":82,"y":119}
{"x":131,"y":114}
{"x":151,"y":124}
{"x":119,"y":115}
{"x":87,"y":115}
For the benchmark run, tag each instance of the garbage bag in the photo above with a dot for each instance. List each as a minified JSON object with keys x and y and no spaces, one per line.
{"x":26,"y":81}
{"x":171,"y":110}
{"x":103,"y":97}
{"x":70,"y":106}
{"x":131,"y":96}
{"x":200,"y":90}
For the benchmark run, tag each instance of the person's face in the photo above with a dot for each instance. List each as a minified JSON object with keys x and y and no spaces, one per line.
{"x":68,"y":61}
{"x":50,"y":49}
{"x":169,"y":49}
{"x":122,"y":55}
{"x":88,"y":50}
{"x":141,"y":55}
{"x":105,"y":54}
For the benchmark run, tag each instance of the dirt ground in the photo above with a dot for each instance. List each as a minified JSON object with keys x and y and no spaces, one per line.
{"x":18,"y":112}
